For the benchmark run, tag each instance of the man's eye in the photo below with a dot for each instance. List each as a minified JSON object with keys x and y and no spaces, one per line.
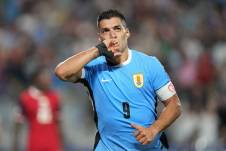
{"x":104,"y":30}
{"x":118,"y":29}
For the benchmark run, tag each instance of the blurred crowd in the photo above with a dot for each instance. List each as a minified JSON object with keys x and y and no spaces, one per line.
{"x":188,"y":36}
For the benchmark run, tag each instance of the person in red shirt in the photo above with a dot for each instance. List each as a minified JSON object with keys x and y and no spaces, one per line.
{"x":40,"y":106}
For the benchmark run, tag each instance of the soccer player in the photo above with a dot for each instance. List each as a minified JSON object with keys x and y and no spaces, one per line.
{"x":125,"y":86}
{"x":40,"y":107}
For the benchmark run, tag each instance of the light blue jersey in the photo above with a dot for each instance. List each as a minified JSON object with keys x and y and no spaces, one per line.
{"x":122,"y":95}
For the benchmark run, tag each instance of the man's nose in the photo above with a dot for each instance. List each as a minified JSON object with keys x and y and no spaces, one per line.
{"x":113,"y":34}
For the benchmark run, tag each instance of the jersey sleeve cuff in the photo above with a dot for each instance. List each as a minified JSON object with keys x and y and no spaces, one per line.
{"x":166,"y":91}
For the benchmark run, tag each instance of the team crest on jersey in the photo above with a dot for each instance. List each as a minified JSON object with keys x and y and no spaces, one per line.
{"x":138,"y":80}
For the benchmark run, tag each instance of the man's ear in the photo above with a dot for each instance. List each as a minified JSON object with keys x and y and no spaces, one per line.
{"x":127,"y":33}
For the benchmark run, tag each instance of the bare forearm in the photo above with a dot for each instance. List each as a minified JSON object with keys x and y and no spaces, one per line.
{"x":167,"y":117}
{"x":171,"y":112}
{"x":70,"y":69}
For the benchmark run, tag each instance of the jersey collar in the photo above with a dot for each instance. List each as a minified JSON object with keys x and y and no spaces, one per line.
{"x":127,"y":61}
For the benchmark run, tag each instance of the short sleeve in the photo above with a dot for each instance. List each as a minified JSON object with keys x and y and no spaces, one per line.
{"x":160,"y":76}
{"x":89,"y":70}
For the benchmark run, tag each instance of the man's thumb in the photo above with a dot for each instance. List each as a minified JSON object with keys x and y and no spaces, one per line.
{"x":135,"y":126}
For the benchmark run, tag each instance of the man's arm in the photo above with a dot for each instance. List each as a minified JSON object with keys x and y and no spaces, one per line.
{"x":169,"y":114}
{"x":71,"y":68}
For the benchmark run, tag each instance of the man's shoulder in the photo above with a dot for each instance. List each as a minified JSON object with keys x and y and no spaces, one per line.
{"x":140,"y":54}
{"x":99,"y":60}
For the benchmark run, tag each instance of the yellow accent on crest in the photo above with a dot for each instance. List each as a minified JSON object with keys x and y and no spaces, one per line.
{"x":138,"y":80}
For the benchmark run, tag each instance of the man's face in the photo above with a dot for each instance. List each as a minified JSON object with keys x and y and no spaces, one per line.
{"x":43,"y":80}
{"x":114,"y":30}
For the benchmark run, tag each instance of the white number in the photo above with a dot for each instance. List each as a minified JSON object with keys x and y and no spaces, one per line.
{"x":44,"y":114}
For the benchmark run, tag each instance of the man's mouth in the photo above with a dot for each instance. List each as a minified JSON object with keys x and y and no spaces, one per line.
{"x":115,"y":44}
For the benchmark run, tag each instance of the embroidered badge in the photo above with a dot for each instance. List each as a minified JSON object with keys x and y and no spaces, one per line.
{"x":138,"y":80}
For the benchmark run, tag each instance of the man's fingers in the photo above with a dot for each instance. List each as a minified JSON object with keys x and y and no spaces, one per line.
{"x":133,"y":125}
{"x":136,"y":126}
{"x":143,"y":140}
{"x":111,"y":43}
{"x":138,"y":130}
{"x":140,"y":136}
{"x":136,"y":133}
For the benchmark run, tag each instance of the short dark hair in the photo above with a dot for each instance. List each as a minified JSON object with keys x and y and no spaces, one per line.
{"x":35,"y":73}
{"x":109,"y":14}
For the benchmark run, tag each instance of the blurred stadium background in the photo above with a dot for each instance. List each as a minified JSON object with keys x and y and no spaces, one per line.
{"x":188,"y":36}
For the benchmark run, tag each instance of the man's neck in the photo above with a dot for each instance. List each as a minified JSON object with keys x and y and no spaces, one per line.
{"x":120,"y":59}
